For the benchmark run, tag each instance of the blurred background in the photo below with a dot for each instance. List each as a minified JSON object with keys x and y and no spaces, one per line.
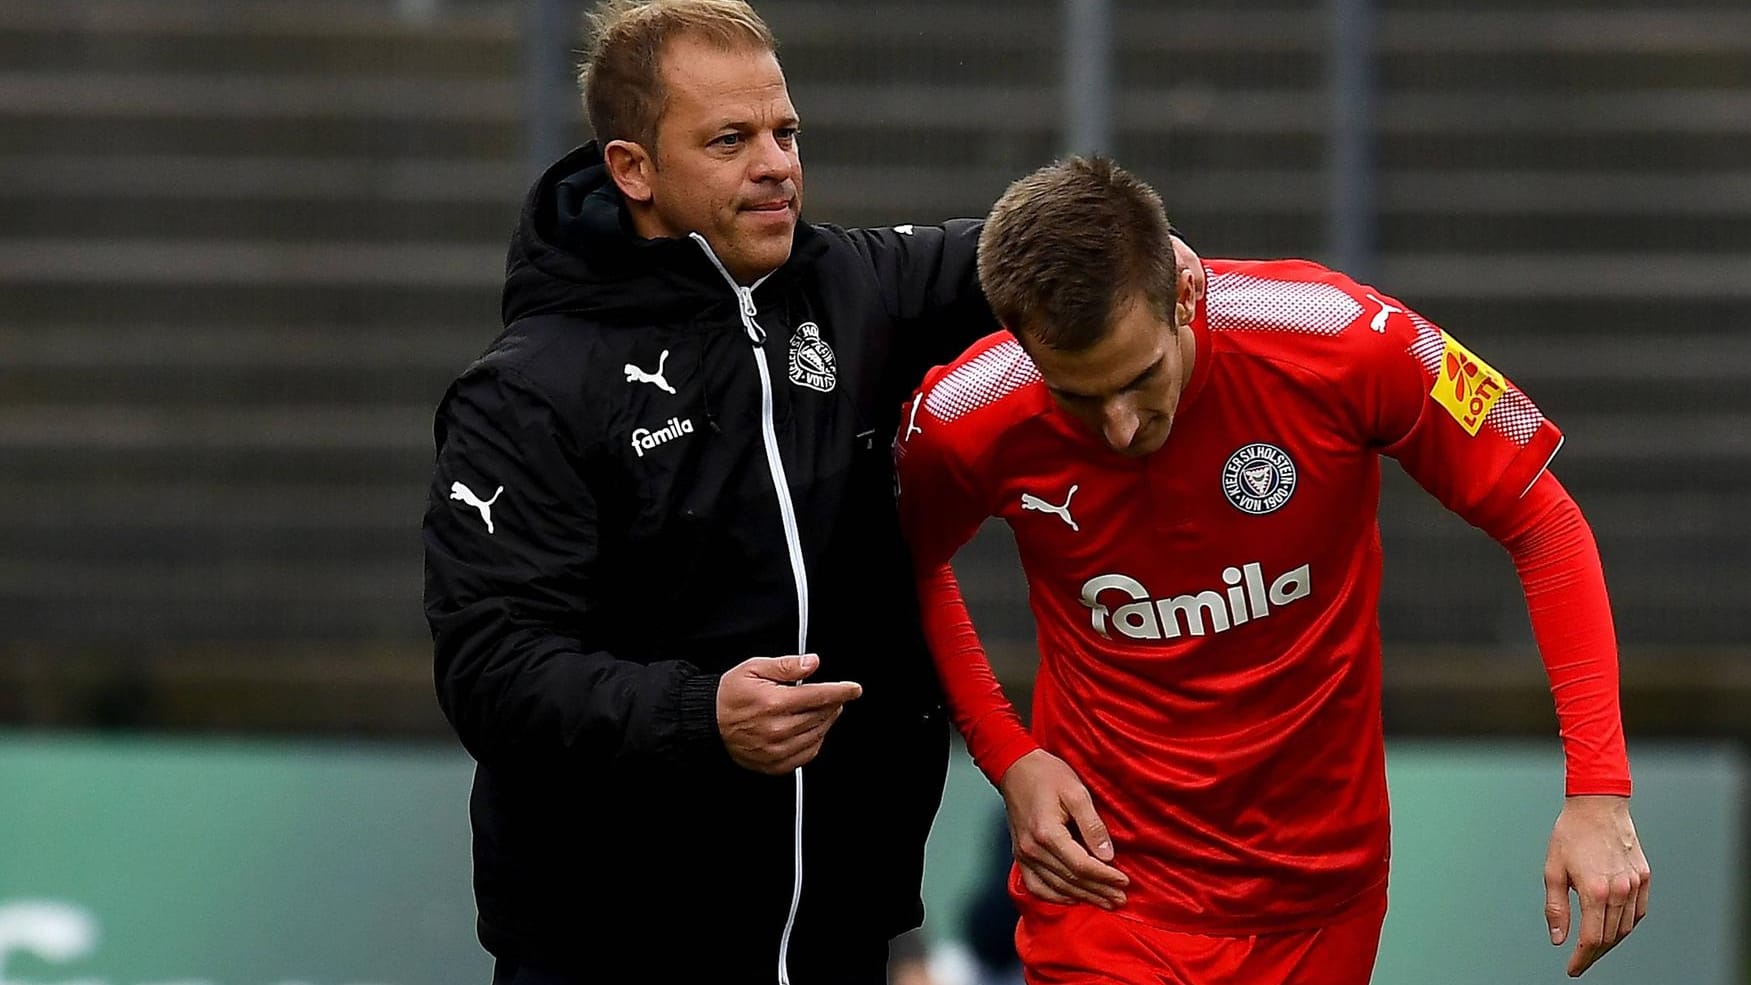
{"x":244,"y":245}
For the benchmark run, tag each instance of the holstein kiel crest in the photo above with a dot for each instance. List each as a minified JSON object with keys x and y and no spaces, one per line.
{"x":812,"y":363}
{"x":1258,"y":478}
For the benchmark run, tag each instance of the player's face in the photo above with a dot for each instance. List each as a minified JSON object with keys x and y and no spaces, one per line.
{"x":1127,"y":386}
{"x":727,"y":164}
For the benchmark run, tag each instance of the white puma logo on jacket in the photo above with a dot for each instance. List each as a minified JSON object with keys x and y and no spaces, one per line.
{"x":466,"y":495}
{"x":636,"y":375}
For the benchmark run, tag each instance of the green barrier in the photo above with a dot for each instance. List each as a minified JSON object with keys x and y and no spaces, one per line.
{"x":152,"y":862}
{"x":182,"y":862}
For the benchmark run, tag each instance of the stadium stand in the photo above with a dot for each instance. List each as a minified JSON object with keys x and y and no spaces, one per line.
{"x":244,"y":244}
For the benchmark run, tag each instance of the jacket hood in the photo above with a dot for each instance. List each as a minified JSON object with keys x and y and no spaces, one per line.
{"x":575,"y":252}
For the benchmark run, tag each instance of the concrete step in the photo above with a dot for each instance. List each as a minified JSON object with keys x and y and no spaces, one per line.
{"x":949,"y":45}
{"x":238,"y":262}
{"x":166,"y":385}
{"x":126,"y":134}
{"x":350,"y":41}
{"x":146,"y":346}
{"x":292,"y":199}
{"x":100,"y":216}
{"x":235,"y":96}
{"x":1013,"y":133}
{"x":290,"y":304}
{"x":342,"y":599}
{"x":104,"y":447}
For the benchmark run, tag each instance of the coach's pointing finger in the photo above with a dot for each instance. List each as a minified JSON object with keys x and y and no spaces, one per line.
{"x":762,"y":707}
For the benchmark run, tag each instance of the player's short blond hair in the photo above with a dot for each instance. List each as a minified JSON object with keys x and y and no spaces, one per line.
{"x":621,"y":76}
{"x":1067,"y":245}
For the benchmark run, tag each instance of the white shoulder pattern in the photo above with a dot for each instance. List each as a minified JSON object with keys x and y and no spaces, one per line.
{"x":1239,"y":302}
{"x":981,"y":381}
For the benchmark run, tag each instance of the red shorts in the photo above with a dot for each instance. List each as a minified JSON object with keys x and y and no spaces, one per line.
{"x":1085,"y":945}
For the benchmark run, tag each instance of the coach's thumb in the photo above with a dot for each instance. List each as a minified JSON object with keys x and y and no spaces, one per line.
{"x":1556,"y":906}
{"x":795,"y":667}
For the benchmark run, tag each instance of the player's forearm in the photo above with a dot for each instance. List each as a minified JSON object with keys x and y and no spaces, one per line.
{"x":1558,"y":562}
{"x":976,"y":702}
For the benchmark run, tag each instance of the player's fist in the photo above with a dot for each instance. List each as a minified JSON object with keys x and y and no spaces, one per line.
{"x":770,"y":721}
{"x":1045,"y":798}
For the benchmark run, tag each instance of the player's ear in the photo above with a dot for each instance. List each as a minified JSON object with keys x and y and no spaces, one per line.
{"x":1185,"y":301}
{"x":632,"y":168}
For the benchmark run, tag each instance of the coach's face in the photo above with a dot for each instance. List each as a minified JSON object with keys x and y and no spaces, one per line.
{"x":726,"y":164}
{"x":1126,"y":387}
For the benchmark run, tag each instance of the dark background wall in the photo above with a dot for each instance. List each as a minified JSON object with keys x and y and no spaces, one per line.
{"x":245,"y":244}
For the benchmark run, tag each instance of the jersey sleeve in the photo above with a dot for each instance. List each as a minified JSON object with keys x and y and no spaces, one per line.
{"x":1458,"y":426}
{"x":942,"y":504}
{"x":1558,"y":562}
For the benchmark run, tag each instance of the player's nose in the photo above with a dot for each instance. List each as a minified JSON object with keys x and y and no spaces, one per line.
{"x":1119,"y":425}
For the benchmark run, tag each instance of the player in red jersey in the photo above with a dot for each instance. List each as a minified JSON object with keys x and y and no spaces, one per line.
{"x":1192,"y":478}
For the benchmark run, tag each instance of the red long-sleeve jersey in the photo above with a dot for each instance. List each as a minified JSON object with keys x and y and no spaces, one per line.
{"x":1207,"y":615}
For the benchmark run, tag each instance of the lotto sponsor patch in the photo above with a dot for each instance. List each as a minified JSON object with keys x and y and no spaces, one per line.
{"x":1466,"y":386}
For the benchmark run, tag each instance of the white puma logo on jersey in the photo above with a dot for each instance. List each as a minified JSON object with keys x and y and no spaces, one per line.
{"x":1378,"y":323}
{"x":912,"y":427}
{"x":466,"y":495}
{"x":636,"y":375}
{"x":1031,"y":502}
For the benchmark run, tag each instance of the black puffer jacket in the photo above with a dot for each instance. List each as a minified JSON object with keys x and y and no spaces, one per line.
{"x":605,"y":537}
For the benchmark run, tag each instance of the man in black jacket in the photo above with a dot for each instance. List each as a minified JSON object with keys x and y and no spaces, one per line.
{"x":674,"y":619}
{"x":662,"y":512}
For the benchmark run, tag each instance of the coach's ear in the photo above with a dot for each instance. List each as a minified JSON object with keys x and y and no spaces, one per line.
{"x":631,"y":167}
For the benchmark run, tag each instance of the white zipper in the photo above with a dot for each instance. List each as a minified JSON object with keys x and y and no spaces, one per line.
{"x":793,"y":542}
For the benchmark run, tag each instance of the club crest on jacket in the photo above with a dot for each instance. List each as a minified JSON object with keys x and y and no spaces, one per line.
{"x":812,"y":363}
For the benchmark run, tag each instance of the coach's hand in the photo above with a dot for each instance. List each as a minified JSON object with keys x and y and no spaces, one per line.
{"x":772,"y":723}
{"x":1594,"y":850}
{"x":1044,"y":798}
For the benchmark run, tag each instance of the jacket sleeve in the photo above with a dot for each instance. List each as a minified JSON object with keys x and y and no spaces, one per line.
{"x":929,"y":282}
{"x":513,"y":595}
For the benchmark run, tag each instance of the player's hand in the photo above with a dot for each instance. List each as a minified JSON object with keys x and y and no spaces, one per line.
{"x":1044,"y":798}
{"x":769,"y":720}
{"x":1594,"y":851}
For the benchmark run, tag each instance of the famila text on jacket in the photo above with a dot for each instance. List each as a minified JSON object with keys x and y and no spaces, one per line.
{"x":644,"y":439}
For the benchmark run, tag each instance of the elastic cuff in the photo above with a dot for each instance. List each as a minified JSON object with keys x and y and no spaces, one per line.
{"x":698,"y":703}
{"x":1004,"y":756}
{"x":1597,"y":788}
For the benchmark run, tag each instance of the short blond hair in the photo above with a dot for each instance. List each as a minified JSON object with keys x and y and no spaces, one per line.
{"x":622,"y":78}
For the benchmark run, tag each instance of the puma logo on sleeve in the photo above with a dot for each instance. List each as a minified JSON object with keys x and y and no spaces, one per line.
{"x":466,"y":495}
